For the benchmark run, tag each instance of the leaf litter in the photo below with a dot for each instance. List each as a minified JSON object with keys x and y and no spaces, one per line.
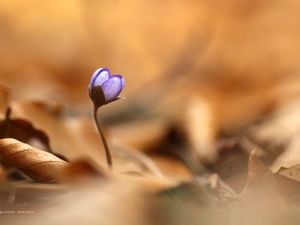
{"x":209,"y":131}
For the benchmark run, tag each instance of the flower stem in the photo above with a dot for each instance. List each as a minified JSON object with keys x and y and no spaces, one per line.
{"x":107,"y":151}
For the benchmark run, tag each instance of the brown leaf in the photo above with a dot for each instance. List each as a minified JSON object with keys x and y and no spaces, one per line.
{"x":292,"y":173}
{"x":278,"y":135}
{"x":37,"y":164}
{"x":4,"y":94}
{"x":258,"y":174}
{"x":82,"y":169}
{"x":3,"y":176}
{"x":145,"y":135}
{"x":76,"y":138}
{"x":21,"y":130}
{"x":286,"y":186}
{"x":288,"y":181}
{"x":255,"y":166}
{"x":172,"y":168}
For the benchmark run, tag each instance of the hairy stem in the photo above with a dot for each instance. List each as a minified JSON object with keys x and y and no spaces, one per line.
{"x":107,"y":151}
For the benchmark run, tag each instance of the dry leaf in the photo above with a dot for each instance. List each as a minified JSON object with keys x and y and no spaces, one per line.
{"x":4,"y":94}
{"x":82,"y":170}
{"x":259,"y":176}
{"x":292,"y":173}
{"x":172,"y":168}
{"x":261,"y":187}
{"x":232,"y":64}
{"x":288,"y":181}
{"x":255,"y":167}
{"x":21,"y":130}
{"x":3,"y":175}
{"x":145,"y":135}
{"x":77,"y":138}
{"x":37,"y":164}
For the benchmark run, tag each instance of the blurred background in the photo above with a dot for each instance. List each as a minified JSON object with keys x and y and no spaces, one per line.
{"x":49,"y":50}
{"x":209,"y":66}
{"x":207,"y":82}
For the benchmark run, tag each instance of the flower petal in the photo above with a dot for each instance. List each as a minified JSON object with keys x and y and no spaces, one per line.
{"x":122,"y":81}
{"x":99,"y":77}
{"x":113,"y":87}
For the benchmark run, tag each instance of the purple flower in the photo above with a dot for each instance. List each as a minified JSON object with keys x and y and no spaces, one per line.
{"x":105,"y":88}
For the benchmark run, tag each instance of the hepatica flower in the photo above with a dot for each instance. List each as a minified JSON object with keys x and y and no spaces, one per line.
{"x":105,"y":88}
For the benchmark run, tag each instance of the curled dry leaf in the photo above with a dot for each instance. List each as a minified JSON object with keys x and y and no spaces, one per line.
{"x":37,"y":164}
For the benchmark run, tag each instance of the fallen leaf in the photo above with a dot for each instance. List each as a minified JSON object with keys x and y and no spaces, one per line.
{"x":259,"y":176}
{"x":145,"y":135}
{"x":255,"y":167}
{"x":77,"y":138}
{"x":4,"y":99}
{"x":288,"y":181}
{"x":292,"y":173}
{"x":172,"y":168}
{"x":290,"y":155}
{"x":82,"y":170}
{"x":21,"y":130}
{"x":39,"y":165}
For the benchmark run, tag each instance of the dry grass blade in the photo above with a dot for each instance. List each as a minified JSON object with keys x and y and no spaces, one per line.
{"x":37,"y":164}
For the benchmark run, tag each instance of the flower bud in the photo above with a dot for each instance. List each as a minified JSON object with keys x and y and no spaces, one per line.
{"x":105,"y":88}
